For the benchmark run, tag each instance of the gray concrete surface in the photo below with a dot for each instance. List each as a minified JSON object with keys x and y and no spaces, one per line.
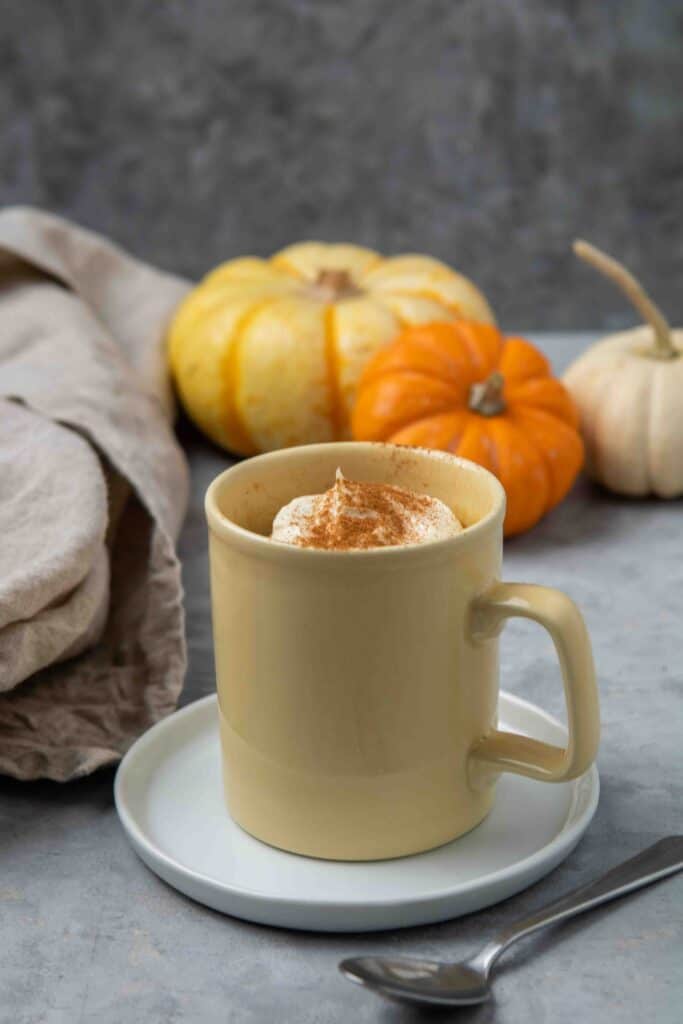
{"x":486,"y":132}
{"x":87,"y":933}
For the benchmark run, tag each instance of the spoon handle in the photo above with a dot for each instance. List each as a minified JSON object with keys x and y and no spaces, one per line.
{"x":657,"y":861}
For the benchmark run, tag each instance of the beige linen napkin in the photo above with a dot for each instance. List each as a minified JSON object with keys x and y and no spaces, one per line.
{"x":93,"y":489}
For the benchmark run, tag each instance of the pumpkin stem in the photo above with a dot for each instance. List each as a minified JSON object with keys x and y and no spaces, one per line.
{"x":333,"y":283}
{"x":486,"y":397}
{"x":633,"y":290}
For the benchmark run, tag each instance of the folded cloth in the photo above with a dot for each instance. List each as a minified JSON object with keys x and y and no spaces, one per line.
{"x":93,"y":490}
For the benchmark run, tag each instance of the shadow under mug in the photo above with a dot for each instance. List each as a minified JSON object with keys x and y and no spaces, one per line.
{"x":358,"y":690}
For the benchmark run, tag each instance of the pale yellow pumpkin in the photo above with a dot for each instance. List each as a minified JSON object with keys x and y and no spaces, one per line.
{"x":629,"y":392}
{"x":267,"y":353}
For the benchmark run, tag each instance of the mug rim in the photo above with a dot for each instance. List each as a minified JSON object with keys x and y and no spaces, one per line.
{"x":226,"y":529}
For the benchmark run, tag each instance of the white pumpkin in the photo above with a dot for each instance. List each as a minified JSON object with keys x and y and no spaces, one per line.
{"x":629,"y":392}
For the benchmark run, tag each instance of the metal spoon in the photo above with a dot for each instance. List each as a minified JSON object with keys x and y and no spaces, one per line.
{"x":416,"y":980}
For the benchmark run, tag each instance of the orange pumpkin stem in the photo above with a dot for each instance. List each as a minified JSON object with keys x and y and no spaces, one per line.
{"x":333,"y":284}
{"x":486,"y":397}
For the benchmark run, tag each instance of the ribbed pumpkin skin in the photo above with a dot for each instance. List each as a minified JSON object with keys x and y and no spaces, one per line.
{"x":631,"y":408}
{"x":264,"y":357}
{"x":416,"y":392}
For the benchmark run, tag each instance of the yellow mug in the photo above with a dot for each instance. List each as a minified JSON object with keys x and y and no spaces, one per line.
{"x":358,"y":690}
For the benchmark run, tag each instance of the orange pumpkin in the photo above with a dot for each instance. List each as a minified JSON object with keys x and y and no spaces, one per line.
{"x":465,"y":388}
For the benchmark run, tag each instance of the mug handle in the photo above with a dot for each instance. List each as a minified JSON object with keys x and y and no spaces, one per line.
{"x":511,"y":752}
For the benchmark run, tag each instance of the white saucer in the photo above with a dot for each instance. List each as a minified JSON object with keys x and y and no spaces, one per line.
{"x":169,"y":799}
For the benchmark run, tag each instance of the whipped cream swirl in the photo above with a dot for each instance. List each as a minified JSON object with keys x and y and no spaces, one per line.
{"x":355,"y":515}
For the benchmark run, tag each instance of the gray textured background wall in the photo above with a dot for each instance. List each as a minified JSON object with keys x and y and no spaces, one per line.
{"x":487,"y":132}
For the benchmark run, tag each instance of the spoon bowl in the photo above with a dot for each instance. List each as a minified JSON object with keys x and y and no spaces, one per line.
{"x":416,"y":980}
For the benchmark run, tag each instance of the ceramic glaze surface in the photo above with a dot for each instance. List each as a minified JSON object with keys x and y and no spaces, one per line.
{"x":169,"y":796}
{"x":358,"y":691}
